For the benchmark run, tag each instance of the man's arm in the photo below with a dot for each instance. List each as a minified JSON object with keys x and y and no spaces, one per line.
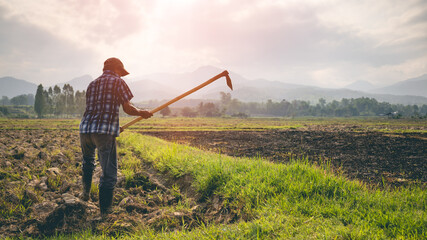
{"x":130,"y":109}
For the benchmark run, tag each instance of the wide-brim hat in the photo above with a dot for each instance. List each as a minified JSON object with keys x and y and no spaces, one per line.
{"x":115,"y":63}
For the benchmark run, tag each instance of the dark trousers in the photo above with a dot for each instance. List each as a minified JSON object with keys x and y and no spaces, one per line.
{"x":107,"y":156}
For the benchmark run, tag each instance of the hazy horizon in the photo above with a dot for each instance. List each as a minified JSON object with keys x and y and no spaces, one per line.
{"x":321,"y":43}
{"x":153,"y":77}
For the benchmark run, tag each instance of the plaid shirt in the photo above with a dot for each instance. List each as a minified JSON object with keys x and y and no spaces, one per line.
{"x":104,"y":96}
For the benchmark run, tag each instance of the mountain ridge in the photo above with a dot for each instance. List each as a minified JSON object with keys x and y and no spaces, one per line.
{"x":360,"y":86}
{"x":161,"y":86}
{"x":78,"y":83}
{"x":12,"y":87}
{"x":414,"y":86}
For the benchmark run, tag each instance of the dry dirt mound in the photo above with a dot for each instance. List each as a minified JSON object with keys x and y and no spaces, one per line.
{"x":40,"y":176}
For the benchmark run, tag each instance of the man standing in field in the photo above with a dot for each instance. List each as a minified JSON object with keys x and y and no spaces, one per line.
{"x":99,"y":128}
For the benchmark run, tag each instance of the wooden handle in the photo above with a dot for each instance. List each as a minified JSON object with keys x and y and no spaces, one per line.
{"x":223,"y":74}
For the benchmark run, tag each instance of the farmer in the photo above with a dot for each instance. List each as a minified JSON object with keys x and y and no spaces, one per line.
{"x":99,"y":128}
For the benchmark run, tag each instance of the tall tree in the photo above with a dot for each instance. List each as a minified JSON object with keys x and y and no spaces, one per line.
{"x":58,"y":103}
{"x":80,"y":102}
{"x":68,"y":92}
{"x":39,"y":103}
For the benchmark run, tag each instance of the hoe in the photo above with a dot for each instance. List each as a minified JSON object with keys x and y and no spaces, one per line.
{"x":223,"y":74}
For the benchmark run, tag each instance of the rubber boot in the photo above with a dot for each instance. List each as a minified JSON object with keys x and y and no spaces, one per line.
{"x":87,"y":184}
{"x":105,"y":201}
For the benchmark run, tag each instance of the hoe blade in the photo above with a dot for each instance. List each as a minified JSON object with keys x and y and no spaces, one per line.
{"x":228,"y":81}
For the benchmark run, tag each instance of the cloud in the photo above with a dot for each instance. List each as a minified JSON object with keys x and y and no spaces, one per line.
{"x":321,"y":42}
{"x":111,"y":20}
{"x":84,"y":21}
{"x":272,"y":37}
{"x":34,"y":54}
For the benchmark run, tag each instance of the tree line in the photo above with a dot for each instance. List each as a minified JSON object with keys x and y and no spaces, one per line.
{"x":23,"y":99}
{"x":65,"y":102}
{"x":56,"y":102}
{"x":17,"y":107}
{"x":345,"y":108}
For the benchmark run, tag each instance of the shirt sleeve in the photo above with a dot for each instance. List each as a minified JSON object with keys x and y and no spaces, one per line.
{"x":124,"y":93}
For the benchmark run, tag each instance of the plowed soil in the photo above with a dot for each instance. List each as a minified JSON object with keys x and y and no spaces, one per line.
{"x":40,"y":187}
{"x":373,"y":157}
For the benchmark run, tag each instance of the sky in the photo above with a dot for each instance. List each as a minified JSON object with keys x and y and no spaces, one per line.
{"x":329,"y":43}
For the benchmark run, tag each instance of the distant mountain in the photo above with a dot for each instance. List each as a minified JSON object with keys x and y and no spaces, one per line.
{"x":78,"y":83}
{"x":360,"y":86}
{"x":159,"y":86}
{"x":145,"y":89}
{"x":12,"y":87}
{"x":262,"y":90}
{"x":142,"y":89}
{"x":246,"y":90}
{"x":186,"y":81}
{"x":415,"y":87}
{"x":162,"y":86}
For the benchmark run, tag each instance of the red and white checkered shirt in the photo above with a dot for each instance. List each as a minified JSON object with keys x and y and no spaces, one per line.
{"x":104,"y":96}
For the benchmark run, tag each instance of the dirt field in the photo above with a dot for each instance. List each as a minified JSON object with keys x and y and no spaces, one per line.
{"x":372,"y":157}
{"x":40,"y":174}
{"x":40,"y":185}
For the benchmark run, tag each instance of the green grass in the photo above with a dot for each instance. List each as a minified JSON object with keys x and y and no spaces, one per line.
{"x":282,"y":201}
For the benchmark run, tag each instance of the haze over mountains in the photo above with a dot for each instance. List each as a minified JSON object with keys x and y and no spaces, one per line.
{"x":11,"y":87}
{"x":164,"y":86}
{"x":414,"y":86}
{"x":363,"y":86}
